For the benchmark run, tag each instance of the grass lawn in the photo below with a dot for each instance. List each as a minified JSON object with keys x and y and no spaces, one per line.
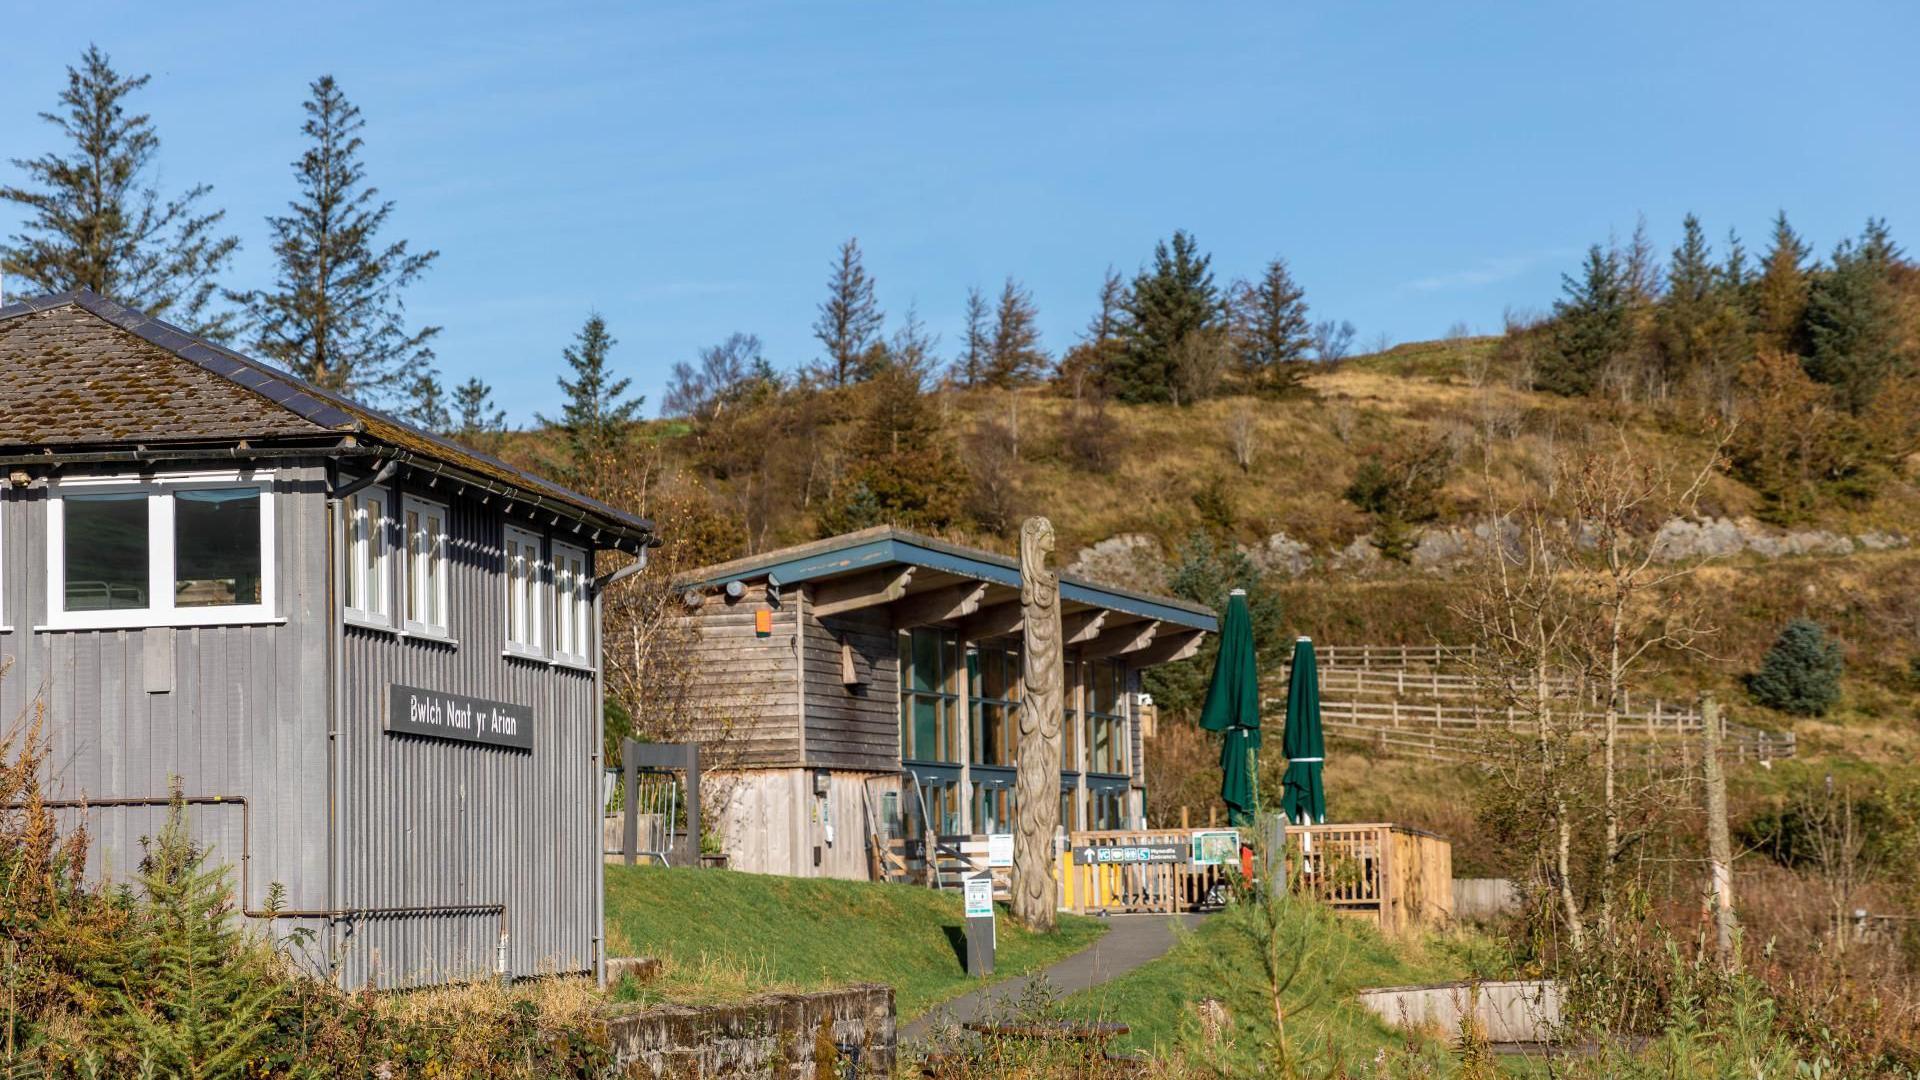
{"x":724,"y":935}
{"x":1338,"y":956}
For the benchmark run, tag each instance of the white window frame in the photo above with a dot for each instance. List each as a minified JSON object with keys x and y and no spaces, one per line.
{"x":160,"y":610}
{"x":417,"y":585}
{"x":527,"y":583}
{"x":361,"y":533}
{"x":572,"y":606}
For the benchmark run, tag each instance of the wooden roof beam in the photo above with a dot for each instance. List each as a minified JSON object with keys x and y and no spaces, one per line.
{"x":1081,"y":627}
{"x":860,"y":591}
{"x":1168,"y":648}
{"x":939,"y":605}
{"x":997,"y":620}
{"x":1127,"y":639}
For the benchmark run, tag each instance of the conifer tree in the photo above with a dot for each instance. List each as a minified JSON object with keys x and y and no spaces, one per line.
{"x":207,"y":1005}
{"x":1591,"y":328}
{"x":93,"y":219}
{"x":1701,"y":332}
{"x":1170,"y":301}
{"x":1853,"y":319}
{"x":335,"y":315}
{"x":475,"y":419}
{"x":1801,"y":672}
{"x":977,"y":349}
{"x":1016,"y":356}
{"x":597,"y":419}
{"x":1111,"y":312}
{"x":1640,"y":268}
{"x":1271,"y":331}
{"x":1780,"y":293}
{"x":905,"y":472}
{"x":850,"y":319}
{"x":427,"y":403}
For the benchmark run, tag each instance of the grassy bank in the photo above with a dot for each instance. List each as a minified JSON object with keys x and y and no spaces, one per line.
{"x":723,"y":934}
{"x":1325,"y":1023}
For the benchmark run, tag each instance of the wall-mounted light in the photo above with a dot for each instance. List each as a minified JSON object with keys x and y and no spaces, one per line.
{"x":735,"y":590}
{"x":692,"y":598}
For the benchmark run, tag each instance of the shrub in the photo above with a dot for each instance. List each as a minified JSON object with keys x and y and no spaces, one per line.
{"x":1801,"y":673}
{"x":1400,"y":488}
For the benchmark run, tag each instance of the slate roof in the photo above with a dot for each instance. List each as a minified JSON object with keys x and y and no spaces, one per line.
{"x":80,"y":371}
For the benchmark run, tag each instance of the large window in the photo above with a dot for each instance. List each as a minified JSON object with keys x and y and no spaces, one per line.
{"x":426,"y":595}
{"x":929,"y":700}
{"x":367,"y":588}
{"x":175,"y":550}
{"x":993,"y":692}
{"x":1106,"y":718}
{"x":525,"y":570}
{"x":932,"y":802}
{"x":572,"y":606}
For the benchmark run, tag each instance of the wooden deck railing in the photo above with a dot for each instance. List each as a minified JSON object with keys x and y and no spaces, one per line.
{"x":1399,"y":877}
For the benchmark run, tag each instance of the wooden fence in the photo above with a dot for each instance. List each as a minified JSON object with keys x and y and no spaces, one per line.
{"x":1420,"y":708}
{"x":1397,"y":876}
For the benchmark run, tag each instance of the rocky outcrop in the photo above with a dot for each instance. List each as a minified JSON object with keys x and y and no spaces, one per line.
{"x":1681,"y":539}
{"x":1128,"y":561}
{"x":1280,"y":554}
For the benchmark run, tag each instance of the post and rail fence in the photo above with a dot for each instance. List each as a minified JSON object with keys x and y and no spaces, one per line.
{"x":1405,"y":699}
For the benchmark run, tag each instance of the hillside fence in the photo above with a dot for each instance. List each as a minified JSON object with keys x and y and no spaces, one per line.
{"x":1415,"y":700}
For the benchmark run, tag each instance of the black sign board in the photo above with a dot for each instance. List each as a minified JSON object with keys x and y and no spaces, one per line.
{"x":413,"y":711}
{"x":1130,"y":854}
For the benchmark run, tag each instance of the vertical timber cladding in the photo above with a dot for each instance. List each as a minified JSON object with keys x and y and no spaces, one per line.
{"x":230,"y":710}
{"x":428,"y":821}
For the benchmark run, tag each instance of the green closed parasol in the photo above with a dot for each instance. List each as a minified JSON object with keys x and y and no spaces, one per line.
{"x":1233,"y":709}
{"x":1303,"y":796}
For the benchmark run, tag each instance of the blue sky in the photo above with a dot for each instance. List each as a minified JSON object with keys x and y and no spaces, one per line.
{"x":688,"y":169}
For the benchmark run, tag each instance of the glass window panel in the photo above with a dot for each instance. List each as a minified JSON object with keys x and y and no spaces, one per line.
{"x":436,"y":570}
{"x":416,"y":569}
{"x":926,"y":723}
{"x":106,"y":551}
{"x":216,"y":547}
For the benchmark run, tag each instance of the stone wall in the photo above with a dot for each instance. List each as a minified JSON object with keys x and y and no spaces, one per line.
{"x":788,"y":1036}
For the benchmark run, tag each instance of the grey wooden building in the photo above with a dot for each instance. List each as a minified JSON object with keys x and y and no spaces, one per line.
{"x":367,"y":656}
{"x":866,"y":688}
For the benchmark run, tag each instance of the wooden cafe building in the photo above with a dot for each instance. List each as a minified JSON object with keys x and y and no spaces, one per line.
{"x":366,"y":658}
{"x":866,"y":688}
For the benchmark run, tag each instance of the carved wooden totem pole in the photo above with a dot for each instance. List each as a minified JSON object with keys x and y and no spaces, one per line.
{"x":1042,"y":686}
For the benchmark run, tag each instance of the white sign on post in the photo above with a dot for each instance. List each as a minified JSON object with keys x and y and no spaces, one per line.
{"x":999,"y":849}
{"x":980,"y":897}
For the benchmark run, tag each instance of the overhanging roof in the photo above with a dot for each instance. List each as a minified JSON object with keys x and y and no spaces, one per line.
{"x":871,"y":549}
{"x":286,"y":410}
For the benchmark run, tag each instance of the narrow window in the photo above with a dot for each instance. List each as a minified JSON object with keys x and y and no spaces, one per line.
{"x":426,"y":567}
{"x":524,"y":570}
{"x":367,"y":559}
{"x":572,"y":609}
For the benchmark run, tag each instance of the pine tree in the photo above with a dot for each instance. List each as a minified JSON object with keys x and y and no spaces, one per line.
{"x":475,"y":420}
{"x":1016,"y":356}
{"x":1701,"y":332}
{"x":206,"y":1009}
{"x":971,"y":366}
{"x":1108,"y":318}
{"x":1640,"y":268}
{"x":1780,"y":293}
{"x":850,"y":318}
{"x":1590,"y":329}
{"x":1270,"y":328}
{"x":1169,"y":302}
{"x":92,"y":218}
{"x":335,"y":316}
{"x":1801,"y":672}
{"x":597,"y":419}
{"x":1853,"y":319}
{"x":427,"y":403}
